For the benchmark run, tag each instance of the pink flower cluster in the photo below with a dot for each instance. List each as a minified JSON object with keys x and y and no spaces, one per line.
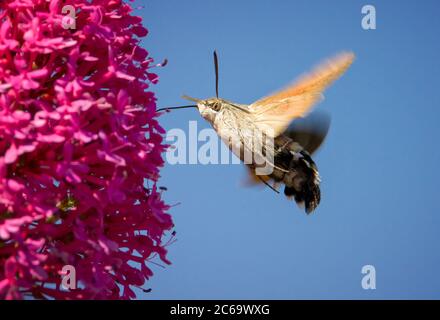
{"x":80,"y":151}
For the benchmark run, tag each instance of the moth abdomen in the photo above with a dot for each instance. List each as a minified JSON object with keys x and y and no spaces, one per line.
{"x":301,"y":177}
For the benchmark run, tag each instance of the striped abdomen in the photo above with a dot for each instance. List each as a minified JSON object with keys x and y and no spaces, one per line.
{"x":296,"y":170}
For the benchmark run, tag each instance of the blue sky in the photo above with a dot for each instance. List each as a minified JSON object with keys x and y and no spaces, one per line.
{"x":379,"y":164}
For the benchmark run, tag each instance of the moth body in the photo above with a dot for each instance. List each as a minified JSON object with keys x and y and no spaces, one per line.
{"x":290,"y":163}
{"x":259,"y":133}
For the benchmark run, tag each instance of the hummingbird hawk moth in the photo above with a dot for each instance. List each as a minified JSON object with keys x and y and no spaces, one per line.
{"x":265,"y":131}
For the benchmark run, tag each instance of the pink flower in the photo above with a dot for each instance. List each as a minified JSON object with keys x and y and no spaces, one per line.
{"x":75,"y":114}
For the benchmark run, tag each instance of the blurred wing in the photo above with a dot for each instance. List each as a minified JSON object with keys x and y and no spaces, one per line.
{"x":310,"y":131}
{"x":277,"y":111}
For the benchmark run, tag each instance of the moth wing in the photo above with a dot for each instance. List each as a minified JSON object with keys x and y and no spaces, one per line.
{"x":310,"y":132}
{"x":277,"y":111}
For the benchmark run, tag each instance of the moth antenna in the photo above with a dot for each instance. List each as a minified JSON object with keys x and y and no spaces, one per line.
{"x":216,"y":72}
{"x":191,"y":99}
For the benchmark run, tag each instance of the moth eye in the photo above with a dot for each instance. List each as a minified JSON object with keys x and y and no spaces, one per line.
{"x":215,"y":106}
